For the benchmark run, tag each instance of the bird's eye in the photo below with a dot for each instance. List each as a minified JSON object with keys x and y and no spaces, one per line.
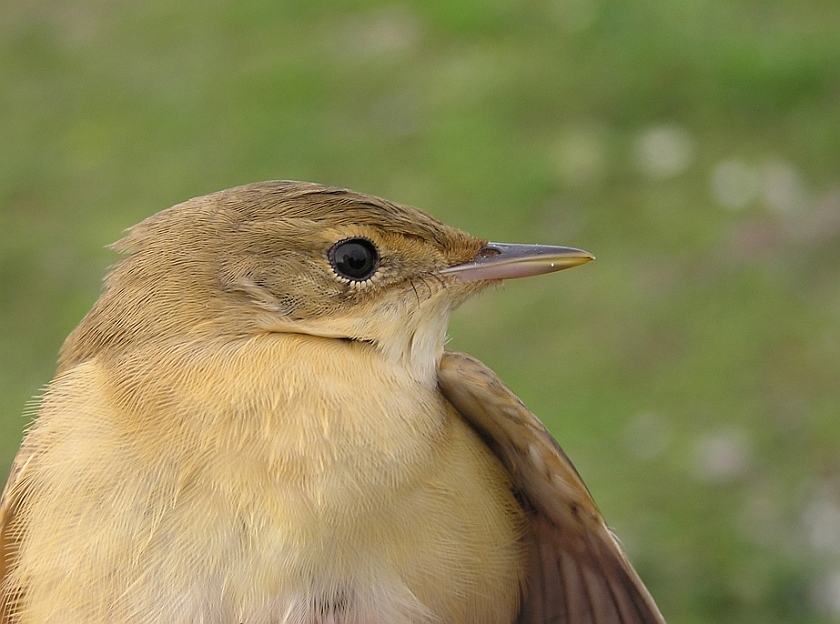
{"x":355,"y":259}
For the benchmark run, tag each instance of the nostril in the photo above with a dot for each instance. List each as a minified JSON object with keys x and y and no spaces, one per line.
{"x":488,"y":252}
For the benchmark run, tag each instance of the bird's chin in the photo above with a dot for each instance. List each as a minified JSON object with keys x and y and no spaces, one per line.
{"x":408,"y":328}
{"x":460,"y":291}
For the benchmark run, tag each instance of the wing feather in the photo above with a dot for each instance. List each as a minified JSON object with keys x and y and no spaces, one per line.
{"x":8,"y":536}
{"x":577,"y":572}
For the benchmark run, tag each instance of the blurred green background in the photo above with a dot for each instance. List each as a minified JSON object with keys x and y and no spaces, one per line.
{"x":692,"y":372}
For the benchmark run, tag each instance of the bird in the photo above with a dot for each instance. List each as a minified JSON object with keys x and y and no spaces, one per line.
{"x":258,"y":423}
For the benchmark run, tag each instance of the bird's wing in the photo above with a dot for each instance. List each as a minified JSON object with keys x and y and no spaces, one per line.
{"x":577,"y":571}
{"x":8,"y":541}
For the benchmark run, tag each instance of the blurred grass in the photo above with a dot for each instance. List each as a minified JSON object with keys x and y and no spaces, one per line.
{"x":692,"y":372}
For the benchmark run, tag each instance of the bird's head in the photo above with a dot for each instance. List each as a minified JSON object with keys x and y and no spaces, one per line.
{"x":290,"y":257}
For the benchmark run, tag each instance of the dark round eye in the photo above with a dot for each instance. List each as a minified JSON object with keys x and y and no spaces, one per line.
{"x":355,"y":259}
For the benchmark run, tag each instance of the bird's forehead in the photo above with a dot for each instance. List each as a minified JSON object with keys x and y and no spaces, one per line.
{"x":347,"y":210}
{"x":299,"y":200}
{"x":268,"y":214}
{"x":322,"y":212}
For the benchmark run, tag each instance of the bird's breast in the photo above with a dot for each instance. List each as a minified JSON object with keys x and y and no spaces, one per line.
{"x":283,"y":479}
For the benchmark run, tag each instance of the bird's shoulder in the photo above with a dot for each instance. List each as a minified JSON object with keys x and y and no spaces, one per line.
{"x":577,"y":570}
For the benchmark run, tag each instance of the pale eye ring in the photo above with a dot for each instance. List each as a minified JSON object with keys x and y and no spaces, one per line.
{"x":355,"y":259}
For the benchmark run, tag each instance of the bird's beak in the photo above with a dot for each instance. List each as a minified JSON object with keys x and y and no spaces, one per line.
{"x":496,"y":261}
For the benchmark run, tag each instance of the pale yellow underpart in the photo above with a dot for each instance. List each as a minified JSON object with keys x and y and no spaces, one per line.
{"x":267,"y":486}
{"x":409,"y":332}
